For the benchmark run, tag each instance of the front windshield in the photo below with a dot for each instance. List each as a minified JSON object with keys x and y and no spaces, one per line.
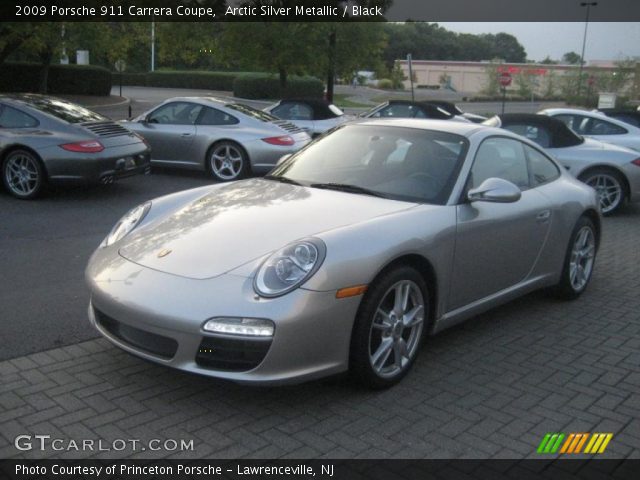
{"x":400,"y":163}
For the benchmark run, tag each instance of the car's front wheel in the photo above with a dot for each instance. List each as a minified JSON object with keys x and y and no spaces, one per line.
{"x":610,"y":187}
{"x":228,"y":161}
{"x":579,"y":260}
{"x":22,"y":174}
{"x":389,"y":328}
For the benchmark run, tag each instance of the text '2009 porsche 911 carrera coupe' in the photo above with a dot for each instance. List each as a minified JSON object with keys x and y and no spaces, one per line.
{"x":346,"y":256}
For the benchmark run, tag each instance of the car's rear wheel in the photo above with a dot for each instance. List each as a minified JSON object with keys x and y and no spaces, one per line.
{"x":610,"y":187}
{"x":389,"y":328}
{"x":22,"y":174}
{"x":579,"y":260}
{"x":228,"y":161}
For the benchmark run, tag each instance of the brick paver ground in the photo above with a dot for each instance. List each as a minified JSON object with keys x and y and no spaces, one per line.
{"x":490,"y":388}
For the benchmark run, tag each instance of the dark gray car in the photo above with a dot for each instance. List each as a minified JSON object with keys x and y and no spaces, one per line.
{"x":46,"y":140}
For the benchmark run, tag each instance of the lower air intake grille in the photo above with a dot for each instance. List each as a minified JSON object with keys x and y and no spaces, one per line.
{"x":148,"y":342}
{"x":230,"y":354}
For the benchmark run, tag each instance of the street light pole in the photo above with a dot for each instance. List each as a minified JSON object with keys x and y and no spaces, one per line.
{"x":153,"y":45}
{"x":584,"y":43}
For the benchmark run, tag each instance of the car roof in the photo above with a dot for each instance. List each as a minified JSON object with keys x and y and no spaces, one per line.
{"x":562,"y":135}
{"x":204,"y":100}
{"x":460,"y":128}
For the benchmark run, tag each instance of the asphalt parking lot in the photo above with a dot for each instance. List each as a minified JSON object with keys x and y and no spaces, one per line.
{"x":491,"y":388}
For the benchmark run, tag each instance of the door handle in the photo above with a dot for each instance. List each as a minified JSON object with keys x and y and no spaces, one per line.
{"x":185,"y":134}
{"x":543,"y":216}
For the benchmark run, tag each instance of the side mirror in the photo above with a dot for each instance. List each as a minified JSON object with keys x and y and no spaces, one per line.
{"x":495,"y":190}
{"x":282,"y":159}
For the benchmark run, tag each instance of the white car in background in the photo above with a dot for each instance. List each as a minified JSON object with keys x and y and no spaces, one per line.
{"x":598,"y":126}
{"x":613,"y":171}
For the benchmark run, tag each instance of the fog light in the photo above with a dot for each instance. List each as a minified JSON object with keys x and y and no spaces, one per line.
{"x":253,"y":327}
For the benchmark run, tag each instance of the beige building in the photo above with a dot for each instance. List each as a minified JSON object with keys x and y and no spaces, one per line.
{"x":473,"y":77}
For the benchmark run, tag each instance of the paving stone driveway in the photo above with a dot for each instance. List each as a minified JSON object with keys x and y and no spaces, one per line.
{"x":489,"y":388}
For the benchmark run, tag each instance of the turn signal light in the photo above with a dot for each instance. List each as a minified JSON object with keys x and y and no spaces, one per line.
{"x":91,"y":146}
{"x":636,"y":162}
{"x":283,"y":141}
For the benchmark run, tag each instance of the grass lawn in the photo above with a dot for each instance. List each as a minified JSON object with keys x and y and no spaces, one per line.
{"x":341,"y":100}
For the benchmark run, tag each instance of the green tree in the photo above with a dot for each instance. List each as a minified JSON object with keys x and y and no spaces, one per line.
{"x":571,"y":58}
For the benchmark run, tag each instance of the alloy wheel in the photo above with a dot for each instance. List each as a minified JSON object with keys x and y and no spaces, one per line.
{"x":609,"y":190}
{"x":22,"y":174}
{"x":582,"y":258}
{"x":227,"y":162}
{"x":396,"y":329}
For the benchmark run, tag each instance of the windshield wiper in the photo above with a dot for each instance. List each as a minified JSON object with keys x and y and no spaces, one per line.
{"x":345,"y":187}
{"x":280,"y":179}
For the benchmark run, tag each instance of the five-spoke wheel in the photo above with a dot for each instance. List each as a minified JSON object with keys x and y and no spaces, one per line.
{"x":389,"y":327}
{"x":228,"y":161}
{"x":609,"y":186}
{"x":22,"y":174}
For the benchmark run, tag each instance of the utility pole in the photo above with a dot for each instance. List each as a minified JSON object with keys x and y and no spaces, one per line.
{"x":584,"y":43}
{"x":332,"y":64}
{"x":153,"y":45}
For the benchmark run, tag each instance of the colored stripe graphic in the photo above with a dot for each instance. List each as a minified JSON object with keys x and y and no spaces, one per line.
{"x":550,"y":443}
{"x":574,"y":443}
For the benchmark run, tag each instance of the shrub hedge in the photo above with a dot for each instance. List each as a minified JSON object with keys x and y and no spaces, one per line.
{"x":265,"y":85}
{"x":180,"y":79}
{"x":68,"y":79}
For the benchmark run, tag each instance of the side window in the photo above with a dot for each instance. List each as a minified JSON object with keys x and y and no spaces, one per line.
{"x":535,"y":133}
{"x":176,"y":113}
{"x":213,"y":116}
{"x":13,"y":118}
{"x":500,"y":158}
{"x":399,"y":110}
{"x":628,"y":118}
{"x":601,"y":127}
{"x":574,"y":122}
{"x":542,"y":169}
{"x":293,"y":111}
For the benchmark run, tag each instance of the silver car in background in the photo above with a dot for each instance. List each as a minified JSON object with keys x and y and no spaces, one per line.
{"x":47,"y":140}
{"x":345,"y":256}
{"x":613,"y":171}
{"x":315,"y":116}
{"x":227,"y":139}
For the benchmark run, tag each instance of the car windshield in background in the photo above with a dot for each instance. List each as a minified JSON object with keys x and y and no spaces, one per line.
{"x":62,"y":109}
{"x":335,"y":110}
{"x":394,"y":162}
{"x":252,"y":112}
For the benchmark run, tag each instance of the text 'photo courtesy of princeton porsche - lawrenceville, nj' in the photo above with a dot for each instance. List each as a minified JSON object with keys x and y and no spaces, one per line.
{"x":329,"y":239}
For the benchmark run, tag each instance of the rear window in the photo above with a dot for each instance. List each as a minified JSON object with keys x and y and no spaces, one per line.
{"x":67,"y":111}
{"x":252,"y":112}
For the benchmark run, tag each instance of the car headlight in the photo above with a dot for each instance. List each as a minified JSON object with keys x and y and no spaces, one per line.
{"x":127,"y":223}
{"x":289,"y":267}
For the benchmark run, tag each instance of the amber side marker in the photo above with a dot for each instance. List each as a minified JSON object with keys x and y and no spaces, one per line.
{"x":351,"y":291}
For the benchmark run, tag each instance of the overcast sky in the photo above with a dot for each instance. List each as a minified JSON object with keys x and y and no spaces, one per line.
{"x":605,"y":41}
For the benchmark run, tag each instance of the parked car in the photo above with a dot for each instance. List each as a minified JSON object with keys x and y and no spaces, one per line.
{"x":345,"y":256}
{"x":613,"y":171}
{"x":226,"y":139}
{"x":410,"y":109}
{"x":632,"y":117}
{"x":453,"y":109}
{"x":47,"y":140}
{"x":598,"y":126}
{"x":312,"y":115}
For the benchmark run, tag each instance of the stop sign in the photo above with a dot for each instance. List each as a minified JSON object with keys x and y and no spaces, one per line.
{"x":505,"y":79}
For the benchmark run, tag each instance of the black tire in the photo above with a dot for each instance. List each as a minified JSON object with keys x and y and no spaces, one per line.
{"x":566,"y":288}
{"x":227,"y":161}
{"x":611,"y":187}
{"x":367,"y":339}
{"x":22,"y":174}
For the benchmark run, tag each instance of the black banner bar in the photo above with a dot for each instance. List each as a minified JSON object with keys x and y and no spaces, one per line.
{"x":589,"y":469}
{"x":316,"y":10}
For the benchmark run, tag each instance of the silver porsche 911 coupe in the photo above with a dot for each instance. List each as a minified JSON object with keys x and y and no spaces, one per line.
{"x":49,"y":141}
{"x":226,"y":139}
{"x":346,"y":256}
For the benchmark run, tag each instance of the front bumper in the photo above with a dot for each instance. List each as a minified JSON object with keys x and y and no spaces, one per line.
{"x":104,"y":167}
{"x":155,"y":310}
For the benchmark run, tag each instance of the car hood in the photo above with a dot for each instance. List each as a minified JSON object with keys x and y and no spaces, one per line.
{"x":239,"y":222}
